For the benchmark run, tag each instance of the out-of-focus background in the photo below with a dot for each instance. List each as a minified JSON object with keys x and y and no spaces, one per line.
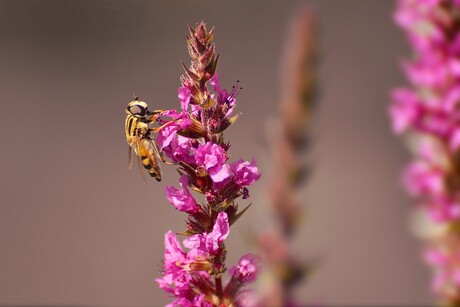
{"x":77,"y":227}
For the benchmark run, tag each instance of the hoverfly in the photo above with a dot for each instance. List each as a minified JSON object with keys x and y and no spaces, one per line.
{"x":139,"y":138}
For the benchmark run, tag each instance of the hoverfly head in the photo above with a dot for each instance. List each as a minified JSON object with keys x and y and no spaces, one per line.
{"x":137,"y":108}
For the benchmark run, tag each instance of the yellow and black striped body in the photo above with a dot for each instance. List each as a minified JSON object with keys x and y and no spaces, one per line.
{"x":139,"y":139}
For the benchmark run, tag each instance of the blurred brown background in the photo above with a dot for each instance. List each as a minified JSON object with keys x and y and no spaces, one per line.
{"x":76,"y":227}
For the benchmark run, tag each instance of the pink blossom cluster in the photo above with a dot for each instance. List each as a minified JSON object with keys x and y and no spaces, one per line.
{"x":209,"y":185}
{"x":430,"y":110}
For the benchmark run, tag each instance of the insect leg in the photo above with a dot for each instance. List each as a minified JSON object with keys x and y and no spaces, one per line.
{"x":160,"y":154}
{"x":157,"y":129}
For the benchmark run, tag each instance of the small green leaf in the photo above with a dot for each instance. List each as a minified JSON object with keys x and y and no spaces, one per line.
{"x":237,"y":216}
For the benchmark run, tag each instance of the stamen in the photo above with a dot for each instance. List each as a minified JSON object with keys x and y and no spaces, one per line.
{"x":236,"y":89}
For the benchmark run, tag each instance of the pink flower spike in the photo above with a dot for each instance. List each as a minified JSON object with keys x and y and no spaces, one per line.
{"x":428,"y":110}
{"x":192,"y":138}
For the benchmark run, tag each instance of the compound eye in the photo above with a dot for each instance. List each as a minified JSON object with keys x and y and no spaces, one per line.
{"x":137,"y":110}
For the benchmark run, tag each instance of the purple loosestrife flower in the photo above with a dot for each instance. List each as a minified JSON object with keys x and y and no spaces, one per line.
{"x":182,"y":199}
{"x":178,"y":274}
{"x":212,"y":157}
{"x":429,"y":111}
{"x":211,"y":243}
{"x":179,"y":149}
{"x":245,"y":173}
{"x":246,"y":270}
{"x":192,"y":138}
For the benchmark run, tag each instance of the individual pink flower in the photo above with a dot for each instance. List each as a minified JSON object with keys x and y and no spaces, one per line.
{"x":173,"y":251}
{"x":224,"y":97}
{"x":175,"y":279}
{"x":209,"y":155}
{"x":182,"y":199}
{"x":405,"y":111}
{"x":428,"y":73}
{"x":436,"y":257}
{"x":420,"y":178}
{"x":212,"y":157}
{"x":247,"y":268}
{"x":168,"y":131}
{"x":180,"y":150}
{"x":218,"y":234}
{"x":245,"y":173}
{"x":443,"y":208}
{"x":210,"y":242}
{"x":243,"y":273}
{"x":181,"y":269}
{"x":166,"y":135}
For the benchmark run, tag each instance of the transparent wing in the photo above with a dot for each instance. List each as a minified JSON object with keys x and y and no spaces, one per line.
{"x":141,"y":165}
{"x":130,"y":157}
{"x":157,"y":151}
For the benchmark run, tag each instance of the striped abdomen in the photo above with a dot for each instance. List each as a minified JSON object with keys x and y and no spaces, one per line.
{"x":146,"y":152}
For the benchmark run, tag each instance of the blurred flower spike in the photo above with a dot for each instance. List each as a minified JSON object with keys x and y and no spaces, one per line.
{"x":290,"y":137}
{"x":428,"y":111}
{"x":192,"y":138}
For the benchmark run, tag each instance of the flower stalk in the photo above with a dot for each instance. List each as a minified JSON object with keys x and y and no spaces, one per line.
{"x":193,"y":139}
{"x":283,"y":270}
{"x":427,"y":111}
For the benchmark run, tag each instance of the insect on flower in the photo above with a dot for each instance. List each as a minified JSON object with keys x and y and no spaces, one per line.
{"x":138,"y":136}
